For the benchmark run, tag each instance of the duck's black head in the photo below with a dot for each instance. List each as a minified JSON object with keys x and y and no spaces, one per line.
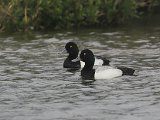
{"x":72,"y":50}
{"x":87,"y":56}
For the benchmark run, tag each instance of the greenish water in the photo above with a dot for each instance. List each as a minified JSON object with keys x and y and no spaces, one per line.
{"x":35,"y":86}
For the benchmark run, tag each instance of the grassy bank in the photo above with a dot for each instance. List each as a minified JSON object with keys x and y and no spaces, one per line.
{"x":24,"y":15}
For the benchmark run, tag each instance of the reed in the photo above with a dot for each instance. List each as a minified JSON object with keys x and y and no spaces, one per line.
{"x":25,"y":15}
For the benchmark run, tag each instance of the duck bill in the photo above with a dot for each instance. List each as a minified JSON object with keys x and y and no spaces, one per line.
{"x":76,"y":59}
{"x":64,"y":51}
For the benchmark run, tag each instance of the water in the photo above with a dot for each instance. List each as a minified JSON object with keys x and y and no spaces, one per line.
{"x":35,"y":86}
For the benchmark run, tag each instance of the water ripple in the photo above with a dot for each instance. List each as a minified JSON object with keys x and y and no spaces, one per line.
{"x":34,"y":85}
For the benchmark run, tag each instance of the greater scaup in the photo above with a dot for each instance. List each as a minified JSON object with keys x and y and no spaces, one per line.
{"x":102,"y":72}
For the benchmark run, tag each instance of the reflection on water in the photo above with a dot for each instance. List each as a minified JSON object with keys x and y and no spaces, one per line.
{"x":34,"y":85}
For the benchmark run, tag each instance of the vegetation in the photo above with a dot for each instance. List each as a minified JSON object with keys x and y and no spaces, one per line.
{"x":24,"y":15}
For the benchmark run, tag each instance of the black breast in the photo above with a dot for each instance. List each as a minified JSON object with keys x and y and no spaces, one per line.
{"x":87,"y":75}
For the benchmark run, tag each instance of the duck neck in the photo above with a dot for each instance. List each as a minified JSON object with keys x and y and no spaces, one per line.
{"x":88,"y":66}
{"x":88,"y":72}
{"x":73,"y":56}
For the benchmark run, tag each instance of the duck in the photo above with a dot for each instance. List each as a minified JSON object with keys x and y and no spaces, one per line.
{"x":101,"y":72}
{"x":72,"y":49}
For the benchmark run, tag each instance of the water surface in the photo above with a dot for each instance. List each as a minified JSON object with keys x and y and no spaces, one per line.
{"x":35,"y":86}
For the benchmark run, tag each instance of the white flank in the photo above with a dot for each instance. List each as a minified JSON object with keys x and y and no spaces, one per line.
{"x":108,"y":73}
{"x":82,"y":64}
{"x":98,"y":61}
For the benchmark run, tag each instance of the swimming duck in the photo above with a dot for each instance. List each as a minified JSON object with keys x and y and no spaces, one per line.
{"x":102,"y":72}
{"x":73,"y":51}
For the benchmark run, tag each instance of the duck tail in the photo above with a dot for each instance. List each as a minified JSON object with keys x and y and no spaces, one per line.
{"x":127,"y":71}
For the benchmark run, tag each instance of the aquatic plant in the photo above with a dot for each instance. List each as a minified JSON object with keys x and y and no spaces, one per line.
{"x":24,"y":15}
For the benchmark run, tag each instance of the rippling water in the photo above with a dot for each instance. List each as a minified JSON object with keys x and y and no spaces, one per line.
{"x":35,"y":86}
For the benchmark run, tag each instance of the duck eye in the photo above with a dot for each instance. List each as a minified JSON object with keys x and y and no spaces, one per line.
{"x":70,"y":46}
{"x":84,"y":53}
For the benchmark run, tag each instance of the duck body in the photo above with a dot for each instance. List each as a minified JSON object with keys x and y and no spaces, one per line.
{"x":108,"y":73}
{"x":103,"y":72}
{"x":69,"y":64}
